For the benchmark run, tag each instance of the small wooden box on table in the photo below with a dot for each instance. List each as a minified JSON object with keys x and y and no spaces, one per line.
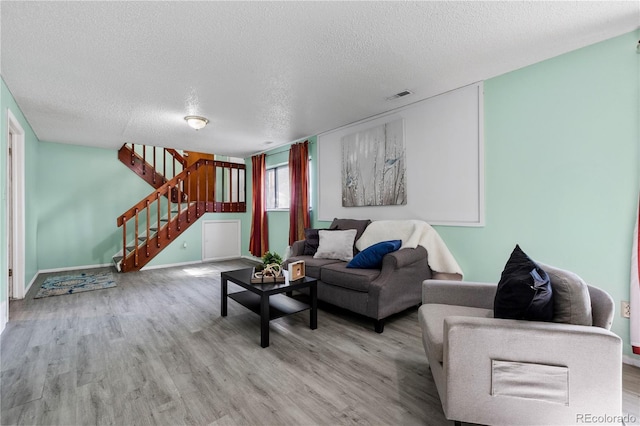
{"x":266,"y":299}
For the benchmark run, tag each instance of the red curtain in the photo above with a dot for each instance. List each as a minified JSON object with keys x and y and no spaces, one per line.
{"x":298,"y":186}
{"x":259,"y":242}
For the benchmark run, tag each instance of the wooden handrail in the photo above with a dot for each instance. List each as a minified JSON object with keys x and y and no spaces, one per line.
{"x":163,"y":190}
{"x":166,"y":188}
{"x":177,"y":156}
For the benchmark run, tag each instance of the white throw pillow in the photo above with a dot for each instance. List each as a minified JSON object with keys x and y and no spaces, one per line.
{"x":336,"y":245}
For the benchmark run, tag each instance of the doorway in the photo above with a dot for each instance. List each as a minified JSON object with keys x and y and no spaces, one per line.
{"x":10,"y":219}
{"x":16,"y":287}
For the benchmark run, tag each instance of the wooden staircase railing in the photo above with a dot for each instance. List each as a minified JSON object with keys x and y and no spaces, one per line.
{"x":154,"y":222}
{"x":153,"y":164}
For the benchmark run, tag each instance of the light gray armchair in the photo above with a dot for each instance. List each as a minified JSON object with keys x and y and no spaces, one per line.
{"x":510,"y":372}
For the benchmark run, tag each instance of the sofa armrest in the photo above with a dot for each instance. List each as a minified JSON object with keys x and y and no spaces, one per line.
{"x":523,"y":389}
{"x":403,"y":257}
{"x":398,"y":286}
{"x":297,"y":248}
{"x":461,"y":293}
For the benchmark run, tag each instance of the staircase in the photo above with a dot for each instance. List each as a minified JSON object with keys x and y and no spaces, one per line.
{"x":177,"y":202}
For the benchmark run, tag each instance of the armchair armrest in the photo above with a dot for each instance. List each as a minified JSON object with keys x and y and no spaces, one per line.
{"x":586,"y":363}
{"x":461,"y":293}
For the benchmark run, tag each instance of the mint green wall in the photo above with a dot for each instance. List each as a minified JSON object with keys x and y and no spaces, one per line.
{"x":31,"y":202}
{"x":82,"y":190}
{"x":561,"y":169}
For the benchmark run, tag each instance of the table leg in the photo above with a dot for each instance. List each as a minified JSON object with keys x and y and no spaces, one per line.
{"x":313,"y":314}
{"x":223,"y":297}
{"x":264,"y":320}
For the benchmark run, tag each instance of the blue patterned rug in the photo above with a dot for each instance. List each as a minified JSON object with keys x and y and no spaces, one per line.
{"x":70,"y":284}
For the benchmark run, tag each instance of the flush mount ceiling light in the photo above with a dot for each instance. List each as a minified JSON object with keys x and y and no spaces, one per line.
{"x":196,"y":122}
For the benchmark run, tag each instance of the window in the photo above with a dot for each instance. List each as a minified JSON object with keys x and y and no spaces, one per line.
{"x":277,"y":188}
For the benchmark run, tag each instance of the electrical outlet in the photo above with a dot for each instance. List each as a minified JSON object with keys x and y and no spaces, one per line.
{"x":625,"y":312}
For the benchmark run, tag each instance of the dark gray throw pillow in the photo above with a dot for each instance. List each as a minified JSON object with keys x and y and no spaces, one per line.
{"x":345,"y":224}
{"x":524,"y":291}
{"x":311,"y":241}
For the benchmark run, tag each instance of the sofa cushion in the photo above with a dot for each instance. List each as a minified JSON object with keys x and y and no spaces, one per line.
{"x":571,"y":299}
{"x":432,"y":317}
{"x":339,"y":275}
{"x":371,"y":257}
{"x":524,"y":291}
{"x":336,"y":245}
{"x":312,"y":266}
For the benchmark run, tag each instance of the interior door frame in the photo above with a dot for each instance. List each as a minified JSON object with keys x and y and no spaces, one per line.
{"x":18,"y":225}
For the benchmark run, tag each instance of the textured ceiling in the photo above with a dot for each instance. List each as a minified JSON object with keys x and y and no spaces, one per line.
{"x":105,"y":73}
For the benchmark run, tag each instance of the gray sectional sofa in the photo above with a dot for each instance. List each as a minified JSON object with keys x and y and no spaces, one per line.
{"x":374,"y":293}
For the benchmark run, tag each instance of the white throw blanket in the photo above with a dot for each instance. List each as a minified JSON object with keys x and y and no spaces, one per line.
{"x":413,"y":233}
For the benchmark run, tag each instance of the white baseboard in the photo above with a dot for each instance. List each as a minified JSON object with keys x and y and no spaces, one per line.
{"x":253,"y":258}
{"x":219,"y":259}
{"x":74,"y":268}
{"x":26,"y":290}
{"x":170,"y":265}
{"x":631,"y":360}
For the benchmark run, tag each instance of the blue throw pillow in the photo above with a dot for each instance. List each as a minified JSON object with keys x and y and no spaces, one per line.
{"x":371,"y":257}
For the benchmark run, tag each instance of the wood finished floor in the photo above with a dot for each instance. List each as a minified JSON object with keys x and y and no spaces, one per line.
{"x":155,"y":350}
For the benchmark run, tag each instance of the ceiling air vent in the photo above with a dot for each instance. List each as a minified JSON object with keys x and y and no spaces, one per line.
{"x":400,"y":95}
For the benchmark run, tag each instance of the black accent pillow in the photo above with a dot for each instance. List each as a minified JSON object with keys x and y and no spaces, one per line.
{"x":524,"y":291}
{"x":311,"y":241}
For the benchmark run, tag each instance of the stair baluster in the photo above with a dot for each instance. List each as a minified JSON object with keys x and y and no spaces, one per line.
{"x":179,"y":203}
{"x":159,"y":215}
{"x":148,"y":234}
{"x":169,"y":214}
{"x":198,"y":192}
{"x":206,"y":185}
{"x":124,"y":243}
{"x":188,"y":186}
{"x":135,"y":239}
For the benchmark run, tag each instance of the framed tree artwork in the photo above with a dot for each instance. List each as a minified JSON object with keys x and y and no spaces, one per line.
{"x":374,"y":167}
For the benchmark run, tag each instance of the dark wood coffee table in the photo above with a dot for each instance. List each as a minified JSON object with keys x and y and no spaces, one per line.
{"x":268,"y":301}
